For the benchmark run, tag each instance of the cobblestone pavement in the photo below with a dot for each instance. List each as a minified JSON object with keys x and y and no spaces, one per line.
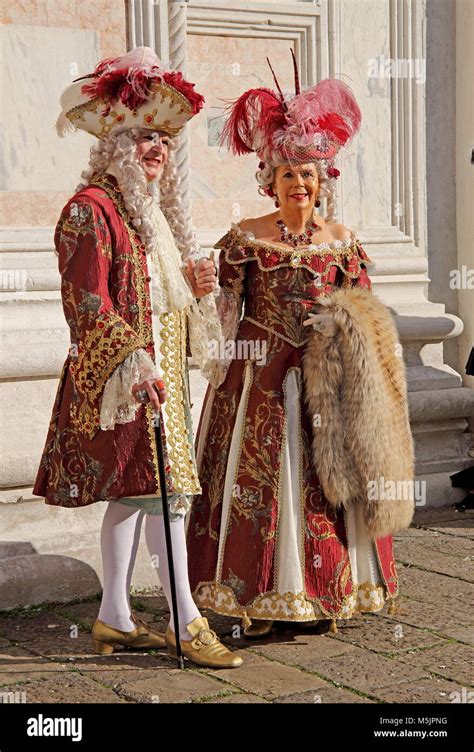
{"x":422,"y":653}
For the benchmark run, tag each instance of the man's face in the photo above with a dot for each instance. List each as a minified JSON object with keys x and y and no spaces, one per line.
{"x":152,"y":152}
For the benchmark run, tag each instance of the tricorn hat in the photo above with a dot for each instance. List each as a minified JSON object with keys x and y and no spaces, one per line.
{"x":134,"y":90}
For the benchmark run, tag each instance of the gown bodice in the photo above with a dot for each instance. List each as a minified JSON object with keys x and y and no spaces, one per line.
{"x":280,"y":286}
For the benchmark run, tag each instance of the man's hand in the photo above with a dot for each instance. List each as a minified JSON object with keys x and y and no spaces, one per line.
{"x":202,"y":276}
{"x":155,"y":389}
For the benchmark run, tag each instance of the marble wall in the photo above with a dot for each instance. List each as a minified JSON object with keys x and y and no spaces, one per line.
{"x":224,"y":186}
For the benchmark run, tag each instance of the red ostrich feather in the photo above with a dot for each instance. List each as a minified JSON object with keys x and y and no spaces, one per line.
{"x":256,"y":111}
{"x":335,"y":124}
{"x":175,"y":79}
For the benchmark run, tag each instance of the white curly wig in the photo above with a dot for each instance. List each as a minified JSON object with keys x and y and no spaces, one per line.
{"x":327,"y":186}
{"x":119,"y":149}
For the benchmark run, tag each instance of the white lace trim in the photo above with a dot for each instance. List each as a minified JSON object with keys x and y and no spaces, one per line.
{"x":204,"y":329}
{"x":229,"y":310}
{"x":118,"y":403}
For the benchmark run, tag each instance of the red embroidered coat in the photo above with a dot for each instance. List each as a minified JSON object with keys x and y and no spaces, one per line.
{"x":263,"y":541}
{"x":105,"y":288}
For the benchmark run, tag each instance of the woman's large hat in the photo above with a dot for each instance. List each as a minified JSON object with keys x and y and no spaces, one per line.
{"x":312,"y":124}
{"x":134,"y":90}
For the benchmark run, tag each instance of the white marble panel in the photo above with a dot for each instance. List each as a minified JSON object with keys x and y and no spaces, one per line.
{"x":36,"y":64}
{"x":366,"y":165}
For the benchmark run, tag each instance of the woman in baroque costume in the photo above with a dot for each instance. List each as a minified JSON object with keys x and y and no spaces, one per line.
{"x":306,"y":413}
{"x":135,"y":301}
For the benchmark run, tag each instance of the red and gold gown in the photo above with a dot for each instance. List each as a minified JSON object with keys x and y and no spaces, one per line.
{"x":262,"y":540}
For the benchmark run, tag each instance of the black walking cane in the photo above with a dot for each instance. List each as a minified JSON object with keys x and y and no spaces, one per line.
{"x":166,"y":519}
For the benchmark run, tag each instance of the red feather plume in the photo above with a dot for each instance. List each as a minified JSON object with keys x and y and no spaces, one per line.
{"x":256,"y":114}
{"x":334,"y":123}
{"x":175,"y":79}
{"x":133,"y":88}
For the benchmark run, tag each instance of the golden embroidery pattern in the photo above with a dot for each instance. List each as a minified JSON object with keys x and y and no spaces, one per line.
{"x":295,"y":607}
{"x":86,"y":419}
{"x":104,"y":347}
{"x":162,"y":89}
{"x":272,"y":331}
{"x":149,"y":409}
{"x":144,"y":326}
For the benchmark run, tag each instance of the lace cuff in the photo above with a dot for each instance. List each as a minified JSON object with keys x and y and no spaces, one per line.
{"x":118,"y":403}
{"x":229,"y":310}
{"x":204,"y":329}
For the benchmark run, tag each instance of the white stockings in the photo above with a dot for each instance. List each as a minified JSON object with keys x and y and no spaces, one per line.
{"x":119,"y":540}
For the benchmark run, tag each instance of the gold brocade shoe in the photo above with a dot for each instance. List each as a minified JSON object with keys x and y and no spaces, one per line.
{"x":258,"y":628}
{"x":205,"y":648}
{"x":105,"y":637}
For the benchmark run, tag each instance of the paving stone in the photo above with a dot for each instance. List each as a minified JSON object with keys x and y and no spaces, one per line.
{"x":430,"y":691}
{"x":440,"y":514}
{"x":268,"y":679}
{"x":432,"y":616}
{"x":366,"y":671}
{"x":47,"y":634}
{"x":384,"y":636}
{"x":64,"y":688}
{"x":449,"y":544}
{"x":417,"y":552}
{"x":123,"y":660}
{"x":461,"y":528}
{"x":28,"y":676}
{"x":324,"y":696}
{"x":462,"y":634}
{"x":237,"y":699}
{"x":84,"y":613}
{"x":453,"y":661}
{"x":154,"y":603}
{"x":172,"y":686}
{"x":302,"y":650}
{"x":18,"y":664}
{"x":431,"y":586}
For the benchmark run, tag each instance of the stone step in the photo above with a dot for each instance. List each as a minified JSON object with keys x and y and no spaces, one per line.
{"x":441,"y":404}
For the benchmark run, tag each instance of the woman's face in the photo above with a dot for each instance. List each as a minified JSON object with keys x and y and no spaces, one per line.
{"x":296,"y":185}
{"x":152,"y":152}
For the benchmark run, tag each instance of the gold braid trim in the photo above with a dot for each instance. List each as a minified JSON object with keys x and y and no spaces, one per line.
{"x":180,"y":452}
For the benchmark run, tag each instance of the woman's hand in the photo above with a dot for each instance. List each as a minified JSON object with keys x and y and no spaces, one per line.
{"x":323,"y":323}
{"x":151,"y":390}
{"x":202,"y":276}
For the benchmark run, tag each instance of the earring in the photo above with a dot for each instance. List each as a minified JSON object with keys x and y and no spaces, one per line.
{"x":277,"y":203}
{"x":317,"y":203}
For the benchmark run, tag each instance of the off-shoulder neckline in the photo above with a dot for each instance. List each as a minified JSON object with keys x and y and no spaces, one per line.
{"x":249,"y":236}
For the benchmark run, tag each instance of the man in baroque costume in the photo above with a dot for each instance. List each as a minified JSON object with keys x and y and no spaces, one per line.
{"x":135,"y":302}
{"x":295,"y":436}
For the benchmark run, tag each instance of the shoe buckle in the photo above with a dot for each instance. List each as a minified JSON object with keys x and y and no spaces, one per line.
{"x":206,"y":636}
